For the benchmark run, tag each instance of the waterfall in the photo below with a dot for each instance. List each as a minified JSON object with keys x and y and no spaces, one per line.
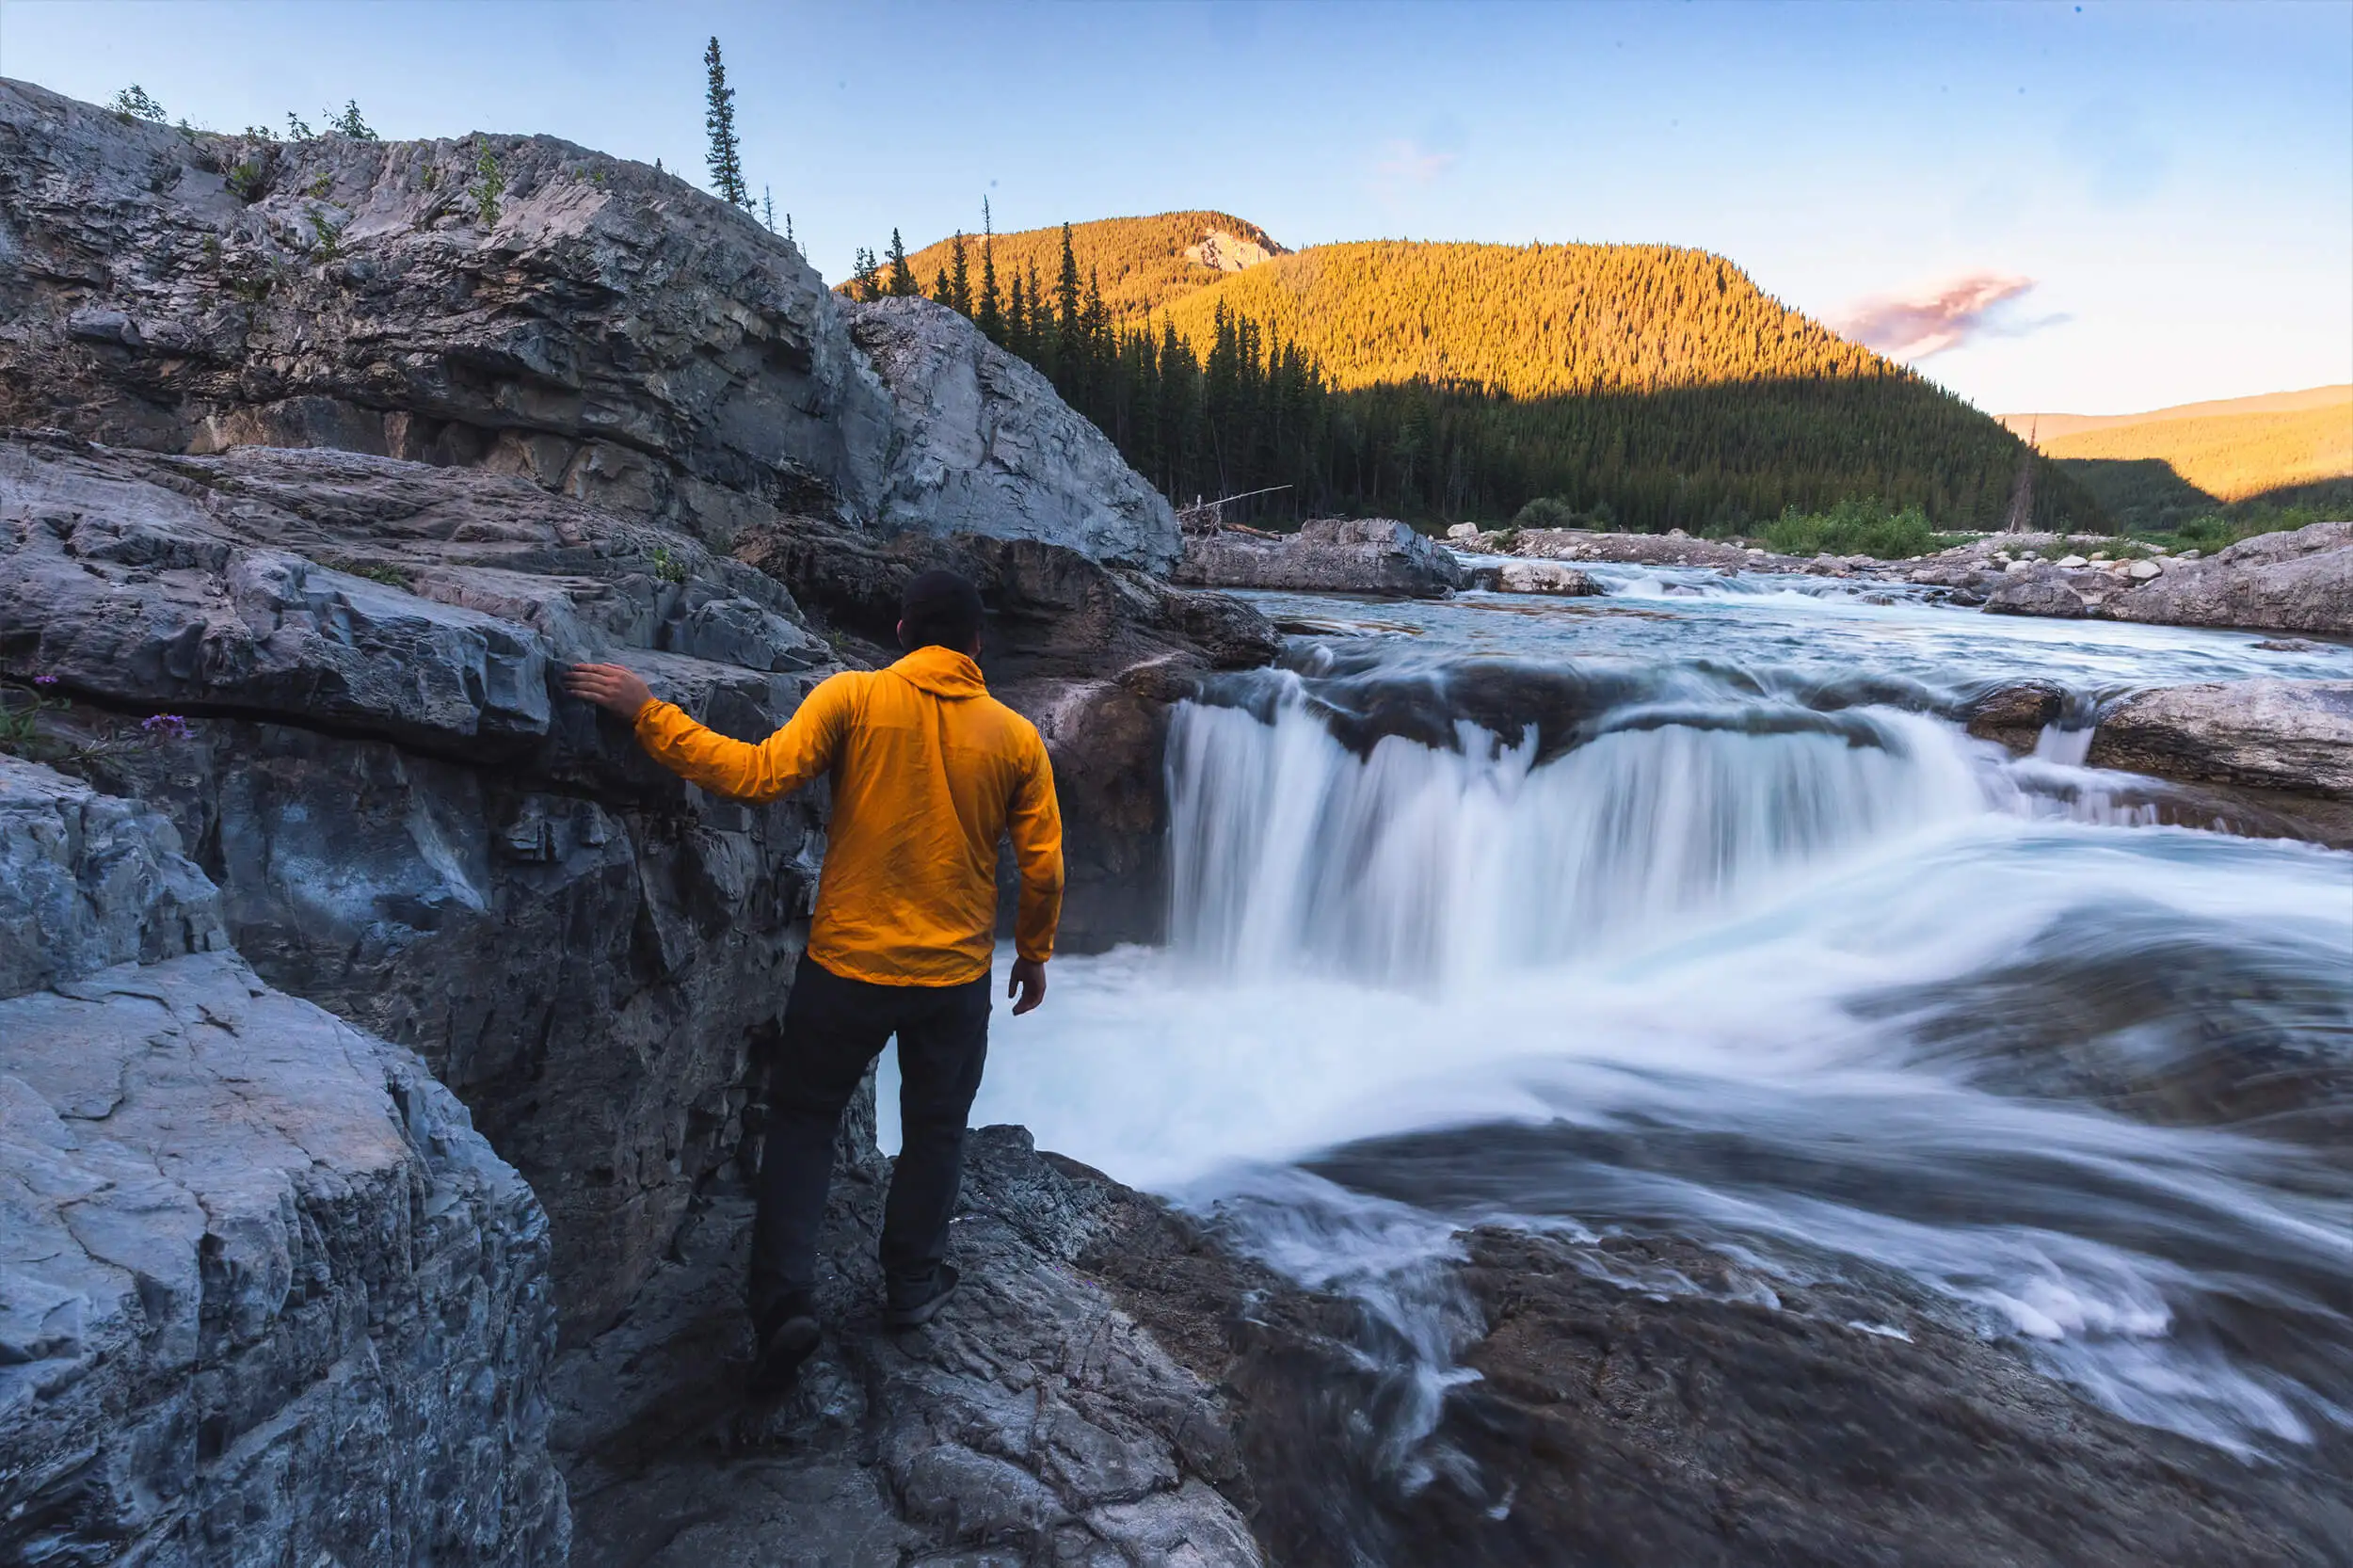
{"x":1411,"y":863}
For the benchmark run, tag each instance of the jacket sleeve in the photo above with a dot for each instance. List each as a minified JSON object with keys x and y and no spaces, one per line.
{"x":786,"y":759}
{"x":1035,"y":823}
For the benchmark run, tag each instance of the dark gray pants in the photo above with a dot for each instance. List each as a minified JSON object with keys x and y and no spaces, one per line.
{"x":833,"y":1028}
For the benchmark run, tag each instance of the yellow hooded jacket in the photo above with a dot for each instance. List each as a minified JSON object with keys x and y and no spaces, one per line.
{"x":928,"y":770}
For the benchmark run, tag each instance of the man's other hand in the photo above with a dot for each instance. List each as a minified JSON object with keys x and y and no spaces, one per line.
{"x":611,"y":686}
{"x":1028,"y":982}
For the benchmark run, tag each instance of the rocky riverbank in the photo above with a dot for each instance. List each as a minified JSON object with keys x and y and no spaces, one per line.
{"x":2299,"y":581}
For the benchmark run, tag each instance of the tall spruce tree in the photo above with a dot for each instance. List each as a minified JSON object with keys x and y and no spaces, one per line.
{"x":1066,"y":289}
{"x":725,"y":158}
{"x":768,"y":207}
{"x":991,"y":317}
{"x":959,"y":276}
{"x":902,"y":283}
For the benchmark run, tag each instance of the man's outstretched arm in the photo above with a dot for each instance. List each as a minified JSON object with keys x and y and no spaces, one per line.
{"x":779,"y":765}
{"x":1035,"y":826}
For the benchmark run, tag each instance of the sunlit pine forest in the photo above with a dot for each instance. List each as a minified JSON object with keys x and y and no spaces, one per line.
{"x":1648,"y":387}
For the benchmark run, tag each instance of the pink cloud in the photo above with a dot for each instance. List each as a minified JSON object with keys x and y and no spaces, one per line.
{"x":1929,"y":319}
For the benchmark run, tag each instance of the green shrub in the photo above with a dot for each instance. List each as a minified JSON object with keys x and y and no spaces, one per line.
{"x":667,"y":566}
{"x":1853,"y":528}
{"x":132,"y":102}
{"x":489,"y":185}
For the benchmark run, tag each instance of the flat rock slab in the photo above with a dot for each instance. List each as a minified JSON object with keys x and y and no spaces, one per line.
{"x":2289,"y":735}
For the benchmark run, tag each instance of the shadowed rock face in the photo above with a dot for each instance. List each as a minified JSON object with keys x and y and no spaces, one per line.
{"x":252,"y":1254}
{"x":409,"y":825}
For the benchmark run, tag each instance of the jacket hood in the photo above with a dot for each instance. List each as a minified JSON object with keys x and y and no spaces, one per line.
{"x":942,"y":672}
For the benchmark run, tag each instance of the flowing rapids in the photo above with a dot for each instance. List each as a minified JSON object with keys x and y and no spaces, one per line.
{"x":1692,"y":911}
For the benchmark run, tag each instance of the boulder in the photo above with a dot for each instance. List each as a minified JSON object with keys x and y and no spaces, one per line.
{"x":2299,"y":581}
{"x":2033,"y":593}
{"x":1535,"y":577}
{"x":981,"y":444}
{"x":1353,"y":555}
{"x":267,"y":1296}
{"x":2015,"y":716}
{"x":2295,"y":736}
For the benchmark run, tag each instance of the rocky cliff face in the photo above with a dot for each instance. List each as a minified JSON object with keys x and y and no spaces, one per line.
{"x":407,"y":827}
{"x":518,"y":304}
{"x":981,"y":444}
{"x":266,"y":1296}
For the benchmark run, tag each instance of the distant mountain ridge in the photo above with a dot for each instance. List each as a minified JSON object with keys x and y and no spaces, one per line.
{"x":2047,"y":426}
{"x":1654,"y":384}
{"x":2167,"y":464}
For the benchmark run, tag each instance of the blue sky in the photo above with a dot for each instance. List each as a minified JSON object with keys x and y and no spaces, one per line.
{"x":2101,"y":207}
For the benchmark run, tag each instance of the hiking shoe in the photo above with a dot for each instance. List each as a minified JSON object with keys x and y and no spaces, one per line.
{"x":919,"y":1313}
{"x":791,"y":1336}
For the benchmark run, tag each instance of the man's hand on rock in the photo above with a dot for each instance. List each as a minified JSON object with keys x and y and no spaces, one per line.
{"x":611,"y":686}
{"x":1028,"y":982}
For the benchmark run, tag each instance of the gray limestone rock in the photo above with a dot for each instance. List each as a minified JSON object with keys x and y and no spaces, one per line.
{"x":608,"y":331}
{"x":266,"y":1295}
{"x":2035,"y":593}
{"x":1033,"y":1421}
{"x":408,"y":825}
{"x":2288,"y":735}
{"x":1359,"y":555}
{"x":981,"y":444}
{"x":522,"y":305}
{"x":2299,"y":581}
{"x":1535,"y":576}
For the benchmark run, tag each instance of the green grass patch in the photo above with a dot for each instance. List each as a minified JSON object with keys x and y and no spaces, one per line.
{"x":1868,"y":527}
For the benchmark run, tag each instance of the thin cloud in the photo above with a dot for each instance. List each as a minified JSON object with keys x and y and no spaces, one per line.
{"x":1929,"y":319}
{"x":1408,"y":162}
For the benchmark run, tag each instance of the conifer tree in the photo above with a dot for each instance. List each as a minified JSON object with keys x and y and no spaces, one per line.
{"x":1066,"y":289}
{"x":866,"y":279}
{"x":1018,"y":322}
{"x":725,"y":158}
{"x":959,"y":277}
{"x":901,"y":276}
{"x":990,"y":316}
{"x":768,"y":208}
{"x":943,"y":292}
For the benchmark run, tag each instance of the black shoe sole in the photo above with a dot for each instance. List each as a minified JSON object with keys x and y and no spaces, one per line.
{"x":780,"y":1357}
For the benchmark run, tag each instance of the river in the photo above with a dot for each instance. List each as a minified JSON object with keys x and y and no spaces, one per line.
{"x":1693,"y":911}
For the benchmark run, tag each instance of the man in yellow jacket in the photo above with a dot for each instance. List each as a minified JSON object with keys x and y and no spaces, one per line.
{"x":928,"y":770}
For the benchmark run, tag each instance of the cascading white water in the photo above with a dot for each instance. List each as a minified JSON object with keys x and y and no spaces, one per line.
{"x":1826,"y":990}
{"x":1414,"y":863}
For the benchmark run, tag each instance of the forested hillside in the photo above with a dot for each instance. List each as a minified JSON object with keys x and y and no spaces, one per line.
{"x":1528,"y":321}
{"x":1140,"y":263}
{"x":1645,"y":386}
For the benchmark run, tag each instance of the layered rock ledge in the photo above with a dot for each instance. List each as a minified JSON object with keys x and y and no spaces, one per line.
{"x":266,"y":1295}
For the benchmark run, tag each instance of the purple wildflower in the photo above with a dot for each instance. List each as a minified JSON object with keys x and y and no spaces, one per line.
{"x":166,"y":726}
{"x":44,"y":680}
